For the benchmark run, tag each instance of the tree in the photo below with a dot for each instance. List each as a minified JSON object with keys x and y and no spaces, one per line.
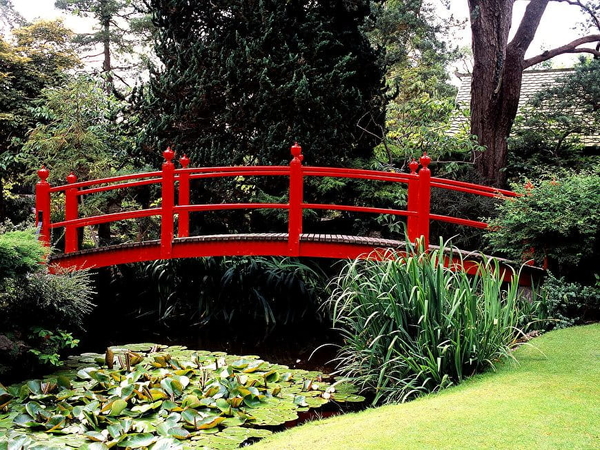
{"x":243,"y":79}
{"x":124,"y":27}
{"x":422,"y":99}
{"x":37,"y":58}
{"x":78,"y":131}
{"x":498,"y":67}
{"x":83,"y":131}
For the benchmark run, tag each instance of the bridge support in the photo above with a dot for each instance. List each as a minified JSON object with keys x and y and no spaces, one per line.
{"x":168,"y":203}
{"x":42,"y":206}
{"x":296,"y":198}
{"x":419,"y":200}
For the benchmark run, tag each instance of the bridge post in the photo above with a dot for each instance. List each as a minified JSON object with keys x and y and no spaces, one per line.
{"x":296,"y":197}
{"x":424,"y":204}
{"x":71,"y":213}
{"x":412,"y":222}
{"x":42,"y":206}
{"x":168,"y":202}
{"x":183,"y":222}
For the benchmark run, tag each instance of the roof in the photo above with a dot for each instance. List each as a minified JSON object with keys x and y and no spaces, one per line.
{"x":533,"y":81}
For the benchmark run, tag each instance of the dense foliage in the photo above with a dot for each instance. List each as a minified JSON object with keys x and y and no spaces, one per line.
{"x":38,"y":311}
{"x":242,"y":80}
{"x":122,"y":29}
{"x":556,"y":222}
{"x":35,"y":59}
{"x":412,"y":325}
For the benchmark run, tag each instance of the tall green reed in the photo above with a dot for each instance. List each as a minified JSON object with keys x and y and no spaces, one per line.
{"x":412,"y":323}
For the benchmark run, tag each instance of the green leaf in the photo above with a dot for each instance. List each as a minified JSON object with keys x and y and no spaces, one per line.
{"x":191,"y":401}
{"x":300,"y":400}
{"x":179,"y":433}
{"x":210,"y":422}
{"x":95,"y":436}
{"x":137,"y":440}
{"x":94,"y":446}
{"x":25,"y":420}
{"x":117,"y":407}
{"x":166,"y":444}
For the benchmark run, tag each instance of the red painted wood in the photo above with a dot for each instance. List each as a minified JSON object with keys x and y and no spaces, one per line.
{"x":133,"y":176}
{"x":177,"y":181}
{"x":168,"y":202}
{"x":412,"y":222}
{"x":424,"y":199}
{"x":114,"y":217}
{"x":71,"y":213}
{"x":296,"y":198}
{"x":42,"y":206}
{"x":183,"y":222}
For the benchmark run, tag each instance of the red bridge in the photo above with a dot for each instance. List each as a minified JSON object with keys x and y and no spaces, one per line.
{"x":175,"y":240}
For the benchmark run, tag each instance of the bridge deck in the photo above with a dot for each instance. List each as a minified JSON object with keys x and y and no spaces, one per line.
{"x":261,"y":244}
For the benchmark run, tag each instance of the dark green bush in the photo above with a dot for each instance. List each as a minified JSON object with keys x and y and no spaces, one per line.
{"x":564,"y":303}
{"x":38,"y":310}
{"x":555,"y":221}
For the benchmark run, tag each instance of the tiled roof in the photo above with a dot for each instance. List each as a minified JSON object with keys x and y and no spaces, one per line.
{"x":533,"y":81}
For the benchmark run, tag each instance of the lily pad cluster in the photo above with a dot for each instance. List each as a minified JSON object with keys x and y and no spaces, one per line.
{"x":155,"y":397}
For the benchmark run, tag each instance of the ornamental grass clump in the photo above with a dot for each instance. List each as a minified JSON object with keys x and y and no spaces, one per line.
{"x":412,"y":325}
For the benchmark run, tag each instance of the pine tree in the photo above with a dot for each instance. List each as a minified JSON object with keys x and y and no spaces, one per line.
{"x":241,"y":80}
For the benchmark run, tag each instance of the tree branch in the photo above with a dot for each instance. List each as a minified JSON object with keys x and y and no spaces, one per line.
{"x":586,"y":8}
{"x":528,"y":26}
{"x":571,"y":47}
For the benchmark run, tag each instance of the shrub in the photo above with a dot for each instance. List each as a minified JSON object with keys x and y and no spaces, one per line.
{"x":38,"y":310}
{"x":20,"y":253}
{"x":563,"y":303}
{"x":412,"y":325}
{"x":556,"y":221}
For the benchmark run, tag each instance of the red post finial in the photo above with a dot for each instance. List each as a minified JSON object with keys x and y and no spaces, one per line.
{"x":184,"y":161}
{"x":169,"y":154}
{"x":71,"y":178}
{"x":413,"y":166}
{"x":425,"y":160}
{"x":297,"y":151}
{"x":43,"y":173}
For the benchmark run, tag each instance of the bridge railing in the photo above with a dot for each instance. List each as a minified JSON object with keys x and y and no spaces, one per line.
{"x":177,"y":181}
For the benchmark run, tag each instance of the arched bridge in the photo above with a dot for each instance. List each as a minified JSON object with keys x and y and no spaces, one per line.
{"x":175,"y":240}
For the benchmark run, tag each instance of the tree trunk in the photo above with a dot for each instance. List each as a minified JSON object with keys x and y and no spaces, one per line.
{"x":496,"y":82}
{"x":2,"y":203}
{"x":106,"y":63}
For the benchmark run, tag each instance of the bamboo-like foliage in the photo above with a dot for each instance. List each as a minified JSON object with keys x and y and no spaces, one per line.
{"x":414,"y":324}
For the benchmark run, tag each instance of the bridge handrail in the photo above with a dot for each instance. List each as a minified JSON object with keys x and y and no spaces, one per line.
{"x":115,"y":179}
{"x":417,"y":212}
{"x":470,"y":188}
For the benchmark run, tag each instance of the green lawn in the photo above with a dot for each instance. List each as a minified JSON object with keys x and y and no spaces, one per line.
{"x":549,"y":400}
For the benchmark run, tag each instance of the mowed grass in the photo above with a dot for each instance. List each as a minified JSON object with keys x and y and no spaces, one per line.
{"x":550,"y":399}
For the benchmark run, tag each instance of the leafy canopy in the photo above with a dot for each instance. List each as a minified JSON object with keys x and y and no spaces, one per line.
{"x":242,"y":80}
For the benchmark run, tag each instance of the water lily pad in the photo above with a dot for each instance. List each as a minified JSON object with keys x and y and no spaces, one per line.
{"x":166,"y":444}
{"x":137,"y":440}
{"x":204,"y":399}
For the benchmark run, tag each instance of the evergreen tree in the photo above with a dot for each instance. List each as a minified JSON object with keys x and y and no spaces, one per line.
{"x":121,"y":35}
{"x":241,"y":80}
